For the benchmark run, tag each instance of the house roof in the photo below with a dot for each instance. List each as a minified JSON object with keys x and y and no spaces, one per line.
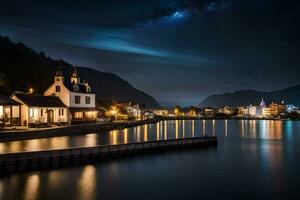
{"x":81,"y":87}
{"x":39,"y":100}
{"x":7,"y":101}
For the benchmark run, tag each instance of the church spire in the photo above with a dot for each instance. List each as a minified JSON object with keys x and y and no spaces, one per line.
{"x":58,"y":70}
{"x":262,"y":103}
{"x":75,"y":78}
{"x":58,"y":74}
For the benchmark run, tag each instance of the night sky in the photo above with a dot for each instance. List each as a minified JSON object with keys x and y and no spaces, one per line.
{"x":177,"y":51}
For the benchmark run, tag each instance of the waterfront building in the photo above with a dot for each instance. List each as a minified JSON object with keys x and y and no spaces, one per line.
{"x":40,"y":110}
{"x":10,"y":112}
{"x":226,"y":110}
{"x":274,"y":109}
{"x":265,"y":112}
{"x":252,"y":110}
{"x":160,"y":112}
{"x":277,"y":109}
{"x":243,"y":111}
{"x":290,"y":108}
{"x":76,"y":95}
{"x":209,"y":112}
{"x":134,"y":110}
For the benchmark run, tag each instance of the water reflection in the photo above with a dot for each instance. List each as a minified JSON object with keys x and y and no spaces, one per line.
{"x":264,"y":129}
{"x":193,"y":128}
{"x":87,"y":183}
{"x":213,"y":127}
{"x":226,"y":127}
{"x":32,"y":187}
{"x":126,"y":135}
{"x":1,"y":189}
{"x":176,"y":129}
{"x":145,"y":133}
{"x":203,"y":127}
{"x":165,"y":130}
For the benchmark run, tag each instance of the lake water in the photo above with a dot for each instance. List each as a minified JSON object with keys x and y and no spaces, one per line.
{"x":253,"y":160}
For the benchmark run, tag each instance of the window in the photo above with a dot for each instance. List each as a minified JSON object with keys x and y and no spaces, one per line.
{"x":78,"y":115}
{"x":31,"y":112}
{"x":41,"y":112}
{"x":57,"y":88}
{"x":77,"y":99}
{"x":57,"y":79}
{"x":61,"y":112}
{"x":87,"y":100}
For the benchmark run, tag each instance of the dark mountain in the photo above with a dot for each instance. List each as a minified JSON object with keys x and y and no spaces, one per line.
{"x":22,"y":68}
{"x":290,"y":95}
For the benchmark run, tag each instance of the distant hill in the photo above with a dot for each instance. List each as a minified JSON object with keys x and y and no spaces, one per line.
{"x":22,"y":68}
{"x":290,"y":95}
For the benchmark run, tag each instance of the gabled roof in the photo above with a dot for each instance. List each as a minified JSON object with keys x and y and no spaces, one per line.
{"x":39,"y":100}
{"x":8,"y":101}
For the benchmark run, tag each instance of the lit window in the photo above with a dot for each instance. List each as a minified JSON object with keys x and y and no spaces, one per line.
{"x":78,"y":115}
{"x":57,"y":88}
{"x":1,"y":111}
{"x":77,"y":99}
{"x":31,"y":112}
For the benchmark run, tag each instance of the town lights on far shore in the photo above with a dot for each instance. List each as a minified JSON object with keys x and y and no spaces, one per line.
{"x":114,"y":112}
{"x":30,"y":90}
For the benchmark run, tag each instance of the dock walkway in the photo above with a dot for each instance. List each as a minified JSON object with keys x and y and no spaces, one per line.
{"x":36,"y":160}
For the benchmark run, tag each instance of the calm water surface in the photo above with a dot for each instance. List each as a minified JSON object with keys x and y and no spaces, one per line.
{"x":253,"y":160}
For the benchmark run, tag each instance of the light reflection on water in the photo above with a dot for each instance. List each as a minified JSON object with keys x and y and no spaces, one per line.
{"x":248,"y":129}
{"x":32,"y":185}
{"x":87,"y":183}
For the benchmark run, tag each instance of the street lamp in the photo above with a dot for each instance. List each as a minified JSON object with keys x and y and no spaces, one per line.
{"x":114,"y":112}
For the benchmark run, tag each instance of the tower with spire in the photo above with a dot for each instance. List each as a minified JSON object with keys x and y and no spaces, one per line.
{"x":74,"y":77}
{"x":58,"y":74}
{"x":262,"y":103}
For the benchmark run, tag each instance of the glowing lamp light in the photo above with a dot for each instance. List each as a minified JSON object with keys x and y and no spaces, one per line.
{"x":31,"y":90}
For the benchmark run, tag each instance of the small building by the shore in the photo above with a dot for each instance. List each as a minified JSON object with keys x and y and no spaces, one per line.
{"x":160,"y":112}
{"x":41,"y":110}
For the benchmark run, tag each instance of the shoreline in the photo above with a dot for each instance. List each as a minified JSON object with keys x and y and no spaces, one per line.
{"x":7,"y":136}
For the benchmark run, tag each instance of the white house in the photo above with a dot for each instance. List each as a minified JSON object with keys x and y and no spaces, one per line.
{"x":37,"y":109}
{"x":76,"y":95}
{"x":133,"y":109}
{"x":10,"y":112}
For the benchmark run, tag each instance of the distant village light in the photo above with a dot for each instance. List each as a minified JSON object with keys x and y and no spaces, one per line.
{"x":31,"y":91}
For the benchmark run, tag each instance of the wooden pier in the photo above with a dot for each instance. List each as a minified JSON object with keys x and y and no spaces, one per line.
{"x":37,"y":160}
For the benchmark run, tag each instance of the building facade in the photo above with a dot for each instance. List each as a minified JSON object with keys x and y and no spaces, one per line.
{"x":41,"y":110}
{"x":76,"y":95}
